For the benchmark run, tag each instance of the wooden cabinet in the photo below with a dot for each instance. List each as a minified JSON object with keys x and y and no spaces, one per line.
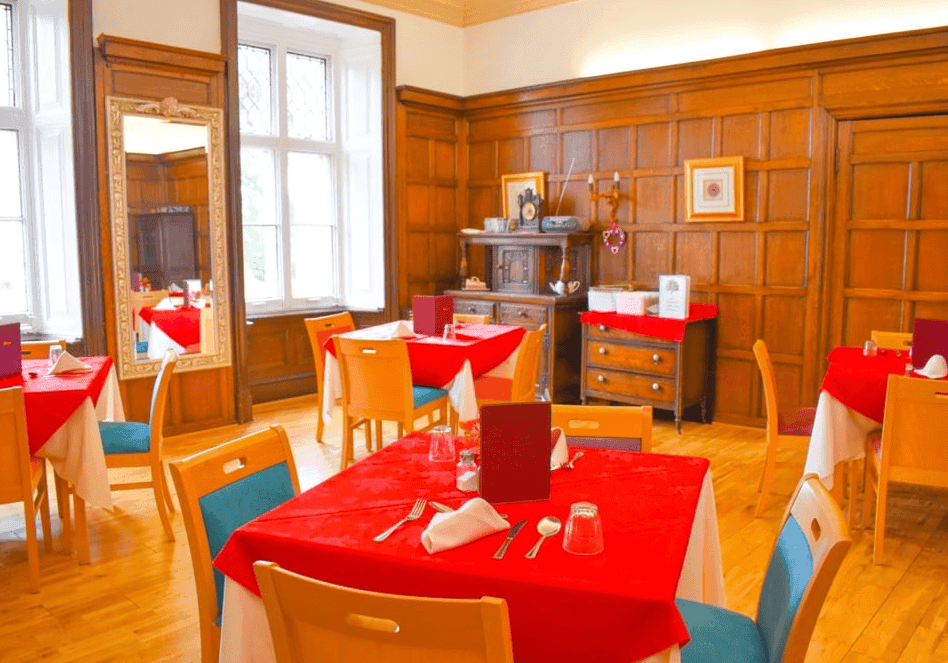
{"x":163,"y":248}
{"x":519,"y":268}
{"x":641,"y":370}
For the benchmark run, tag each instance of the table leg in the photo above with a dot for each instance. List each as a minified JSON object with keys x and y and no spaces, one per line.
{"x":65,"y":518}
{"x":82,"y":529}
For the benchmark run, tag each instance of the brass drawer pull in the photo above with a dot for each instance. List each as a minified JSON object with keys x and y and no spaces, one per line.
{"x":601,"y":378}
{"x":522,"y":313}
{"x":656,"y":387}
{"x":471,"y":309}
{"x":602,"y":351}
{"x":656,"y":358}
{"x":602,"y":328}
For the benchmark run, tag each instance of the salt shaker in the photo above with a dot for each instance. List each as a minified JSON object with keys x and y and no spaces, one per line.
{"x":467,"y":472}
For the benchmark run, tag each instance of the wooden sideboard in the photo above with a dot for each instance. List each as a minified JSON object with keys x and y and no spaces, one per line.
{"x":642,"y":370}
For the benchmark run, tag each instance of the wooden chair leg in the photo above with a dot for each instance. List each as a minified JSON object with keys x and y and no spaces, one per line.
{"x":882,"y":493}
{"x":42,"y":503}
{"x":319,"y":418}
{"x":838,"y":479}
{"x":378,"y":434}
{"x":401,"y":430}
{"x":32,"y":548}
{"x":82,"y":528}
{"x":167,"y":491}
{"x":368,"y":435}
{"x":62,"y":497}
{"x":868,"y":493}
{"x":853,"y":491}
{"x":346,"y":453}
{"x":767,"y":479}
{"x":158,"y":485}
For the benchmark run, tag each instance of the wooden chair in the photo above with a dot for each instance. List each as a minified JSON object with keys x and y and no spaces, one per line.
{"x":605,"y":426}
{"x":311,"y":620}
{"x":221,"y":489}
{"x":471,"y":318}
{"x":39,"y":349}
{"x":521,"y":388}
{"x":811,"y":545}
{"x":892,"y":340}
{"x":784,"y":429}
{"x":23,"y":477}
{"x":910,"y":448}
{"x":134,"y":444}
{"x":376,"y":384}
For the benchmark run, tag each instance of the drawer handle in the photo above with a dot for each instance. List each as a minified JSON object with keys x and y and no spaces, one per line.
{"x":522,"y":313}
{"x":602,"y":351}
{"x":656,"y":358}
{"x":601,"y":378}
{"x":602,"y":328}
{"x":471,"y":309}
{"x":656,"y":387}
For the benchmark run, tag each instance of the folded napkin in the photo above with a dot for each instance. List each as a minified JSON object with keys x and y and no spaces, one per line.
{"x":560,"y":453}
{"x":403,"y":330}
{"x":164,"y":305}
{"x":475,"y":519}
{"x":936,"y":368}
{"x":68,"y":364}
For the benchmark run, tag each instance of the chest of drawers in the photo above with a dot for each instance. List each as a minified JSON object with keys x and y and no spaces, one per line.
{"x":632,"y":368}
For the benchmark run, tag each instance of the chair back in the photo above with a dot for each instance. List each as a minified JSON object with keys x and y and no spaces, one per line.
{"x":376,"y":378}
{"x":471,"y":318}
{"x":811,"y":545}
{"x":913,"y":431}
{"x":15,"y":475}
{"x":39,"y":349}
{"x":527,"y":367}
{"x":221,"y":489}
{"x":770,"y":385}
{"x":319,"y":331}
{"x":621,"y":427}
{"x":159,"y":400}
{"x":312,"y":620}
{"x":892,"y":340}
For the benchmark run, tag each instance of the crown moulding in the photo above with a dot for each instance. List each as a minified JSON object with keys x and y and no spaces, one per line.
{"x":464,"y":13}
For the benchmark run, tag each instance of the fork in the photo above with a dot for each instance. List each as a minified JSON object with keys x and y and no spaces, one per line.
{"x":414,"y":515}
{"x":569,"y":464}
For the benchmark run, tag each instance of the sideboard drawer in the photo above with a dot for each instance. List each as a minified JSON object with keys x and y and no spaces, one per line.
{"x":474,"y":306}
{"x":643,"y":387}
{"x":656,"y":361}
{"x":603,"y":333}
{"x":528,"y":315}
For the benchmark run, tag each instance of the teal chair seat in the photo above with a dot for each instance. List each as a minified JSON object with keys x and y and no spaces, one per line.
{"x":423,"y":395}
{"x":719,"y":635}
{"x":125,"y":437}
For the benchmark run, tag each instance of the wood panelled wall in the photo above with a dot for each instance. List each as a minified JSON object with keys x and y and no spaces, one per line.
{"x":780,"y":110}
{"x":140,"y":70}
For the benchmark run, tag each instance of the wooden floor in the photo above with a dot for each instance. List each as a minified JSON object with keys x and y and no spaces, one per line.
{"x":136,"y":601}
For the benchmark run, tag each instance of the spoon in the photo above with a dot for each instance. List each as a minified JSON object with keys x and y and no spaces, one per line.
{"x":569,"y":465}
{"x":548,"y":526}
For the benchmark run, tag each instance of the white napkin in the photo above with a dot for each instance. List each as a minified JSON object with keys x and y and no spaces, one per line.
{"x":935,"y":368}
{"x":164,"y":305}
{"x":560,"y":453}
{"x":475,"y":519}
{"x":68,"y":364}
{"x":403,"y":330}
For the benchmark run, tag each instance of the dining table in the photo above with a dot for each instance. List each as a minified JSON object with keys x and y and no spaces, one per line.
{"x":659,"y":528}
{"x":62,"y":414}
{"x":177,"y":328}
{"x":851,"y":404}
{"x":451,"y":363}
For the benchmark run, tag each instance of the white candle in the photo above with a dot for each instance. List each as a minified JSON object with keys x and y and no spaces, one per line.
{"x":615,"y":176}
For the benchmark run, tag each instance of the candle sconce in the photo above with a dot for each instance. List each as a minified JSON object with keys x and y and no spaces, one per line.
{"x":614,"y":237}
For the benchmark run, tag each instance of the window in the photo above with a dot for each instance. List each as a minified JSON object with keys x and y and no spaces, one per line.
{"x":39,"y":275}
{"x":310,"y":131}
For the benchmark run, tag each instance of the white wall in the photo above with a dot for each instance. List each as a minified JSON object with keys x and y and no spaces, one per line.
{"x":593,"y":37}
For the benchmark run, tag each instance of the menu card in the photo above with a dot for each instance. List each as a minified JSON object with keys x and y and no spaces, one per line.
{"x":674,"y":296}
{"x":11,"y":358}
{"x":431,"y":314}
{"x":515,"y":452}
{"x":929,"y":337}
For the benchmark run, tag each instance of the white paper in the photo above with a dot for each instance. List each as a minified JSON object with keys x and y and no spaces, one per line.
{"x":674,"y":296}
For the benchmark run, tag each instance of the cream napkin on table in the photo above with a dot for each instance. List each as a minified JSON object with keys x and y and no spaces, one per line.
{"x":164,"y":305}
{"x":475,"y":519}
{"x":68,"y":364}
{"x":560,"y":453}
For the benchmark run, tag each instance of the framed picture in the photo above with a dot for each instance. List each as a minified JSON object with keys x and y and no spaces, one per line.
{"x":714,"y":189}
{"x":514,"y":185}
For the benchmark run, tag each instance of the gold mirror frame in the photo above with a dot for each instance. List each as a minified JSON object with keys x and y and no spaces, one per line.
{"x":213,"y":118}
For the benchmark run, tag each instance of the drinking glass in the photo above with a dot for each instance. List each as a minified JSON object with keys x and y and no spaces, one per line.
{"x":583,"y":530}
{"x":441,"y":445}
{"x":54,"y":353}
{"x":870,"y":348}
{"x":449,"y":332}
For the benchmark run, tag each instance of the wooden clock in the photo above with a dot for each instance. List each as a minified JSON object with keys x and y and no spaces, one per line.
{"x":530,"y":203}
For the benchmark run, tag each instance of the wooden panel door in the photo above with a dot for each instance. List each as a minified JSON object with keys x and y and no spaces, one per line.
{"x":889,"y":257}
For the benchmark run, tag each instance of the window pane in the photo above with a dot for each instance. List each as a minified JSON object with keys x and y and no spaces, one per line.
{"x":13,"y":296}
{"x":311,"y":261}
{"x":7,"y":98}
{"x":9,"y":174}
{"x":253,"y":67}
{"x":261,"y":264}
{"x":309,"y":184}
{"x":258,"y":186}
{"x":306,"y":97}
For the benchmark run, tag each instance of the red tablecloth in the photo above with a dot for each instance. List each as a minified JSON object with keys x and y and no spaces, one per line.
{"x":859,"y":382}
{"x":435,"y":360}
{"x":669,"y":329}
{"x":50,"y":400}
{"x":182,"y":325}
{"x":617,"y":606}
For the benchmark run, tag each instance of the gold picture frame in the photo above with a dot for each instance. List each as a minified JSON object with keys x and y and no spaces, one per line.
{"x":714,"y":189}
{"x":515,"y":184}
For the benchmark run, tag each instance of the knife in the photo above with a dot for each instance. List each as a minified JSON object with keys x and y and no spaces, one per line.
{"x":513,"y":532}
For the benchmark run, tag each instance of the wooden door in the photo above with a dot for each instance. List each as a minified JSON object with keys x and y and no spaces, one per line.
{"x":889,"y":236}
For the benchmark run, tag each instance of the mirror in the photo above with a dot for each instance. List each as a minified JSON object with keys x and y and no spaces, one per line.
{"x":166,"y":180}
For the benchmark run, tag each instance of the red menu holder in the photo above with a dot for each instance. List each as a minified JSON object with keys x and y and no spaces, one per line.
{"x":515,"y":452}
{"x":11,"y":357}
{"x":929,"y":337}
{"x":431,"y":314}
